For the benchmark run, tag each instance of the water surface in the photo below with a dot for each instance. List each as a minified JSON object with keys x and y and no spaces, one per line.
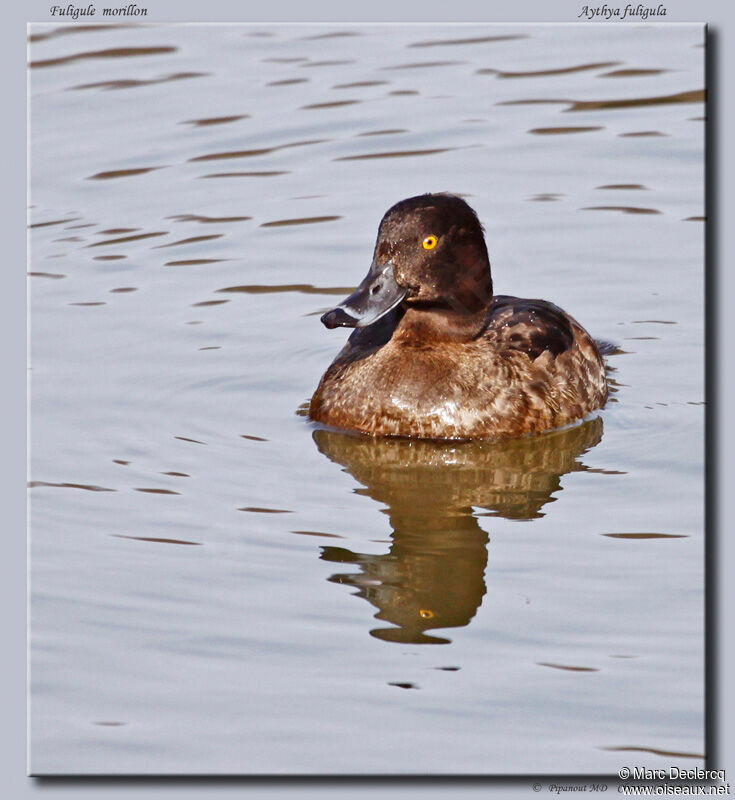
{"x":219,"y":586}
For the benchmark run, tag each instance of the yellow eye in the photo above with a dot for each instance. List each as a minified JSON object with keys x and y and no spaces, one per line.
{"x":426,"y":613}
{"x":429,"y":242}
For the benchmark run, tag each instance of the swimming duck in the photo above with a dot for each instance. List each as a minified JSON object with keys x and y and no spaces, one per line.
{"x":436,"y":355}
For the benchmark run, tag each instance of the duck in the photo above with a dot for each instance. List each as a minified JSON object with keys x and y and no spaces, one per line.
{"x":435,"y":354}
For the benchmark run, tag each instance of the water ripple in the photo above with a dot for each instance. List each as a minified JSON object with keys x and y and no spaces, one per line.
{"x":122,"y":239}
{"x":646,"y":535}
{"x":113,"y":52}
{"x":190,"y":240}
{"x":423,"y":64}
{"x":397,"y":154}
{"x":475,"y":40}
{"x":623,"y":209}
{"x":642,"y":133}
{"x":46,"y":275}
{"x":334,"y":35}
{"x":332,"y":104}
{"x":121,"y":173}
{"x":301,"y":288}
{"x":288,"y":82}
{"x":204,"y":219}
{"x":695,"y":96}
{"x":134,"y":83}
{"x":87,"y":487}
{"x":568,"y":129}
{"x":633,"y":73}
{"x":386,"y":132}
{"x":299,"y":221}
{"x":151,"y":539}
{"x":193,"y":262}
{"x":548,"y":72}
{"x":359,"y":84}
{"x":261,"y":151}
{"x":261,"y":174}
{"x":52,"y":222}
{"x":655,"y":751}
{"x":336,"y":63}
{"x":66,"y":29}
{"x":215,"y":120}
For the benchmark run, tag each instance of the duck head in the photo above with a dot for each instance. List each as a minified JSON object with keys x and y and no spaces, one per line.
{"x":430,"y":254}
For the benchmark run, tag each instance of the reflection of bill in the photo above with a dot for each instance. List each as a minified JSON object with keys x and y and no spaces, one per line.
{"x":433,"y":575}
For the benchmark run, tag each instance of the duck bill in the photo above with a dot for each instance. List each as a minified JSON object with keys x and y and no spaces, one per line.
{"x":374,"y":298}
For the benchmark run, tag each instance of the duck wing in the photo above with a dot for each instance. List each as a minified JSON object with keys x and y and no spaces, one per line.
{"x":529,"y":326}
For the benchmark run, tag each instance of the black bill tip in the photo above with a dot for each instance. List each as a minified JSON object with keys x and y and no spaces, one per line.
{"x":338,"y":318}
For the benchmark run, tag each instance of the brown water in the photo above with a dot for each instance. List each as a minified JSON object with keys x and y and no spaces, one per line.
{"x":217,"y":585}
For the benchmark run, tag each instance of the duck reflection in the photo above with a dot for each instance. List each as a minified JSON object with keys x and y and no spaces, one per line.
{"x":433,"y":574}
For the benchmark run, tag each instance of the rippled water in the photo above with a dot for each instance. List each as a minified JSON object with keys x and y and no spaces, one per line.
{"x":219,"y":586}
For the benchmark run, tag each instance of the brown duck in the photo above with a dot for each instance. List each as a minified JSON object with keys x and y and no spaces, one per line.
{"x":435,"y":355}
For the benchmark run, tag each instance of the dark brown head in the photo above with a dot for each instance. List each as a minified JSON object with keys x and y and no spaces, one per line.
{"x":430,"y":252}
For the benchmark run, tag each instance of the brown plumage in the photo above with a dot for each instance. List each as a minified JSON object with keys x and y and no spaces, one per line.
{"x":435,"y":355}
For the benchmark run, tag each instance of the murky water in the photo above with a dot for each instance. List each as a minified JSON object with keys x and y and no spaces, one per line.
{"x":219,"y":586}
